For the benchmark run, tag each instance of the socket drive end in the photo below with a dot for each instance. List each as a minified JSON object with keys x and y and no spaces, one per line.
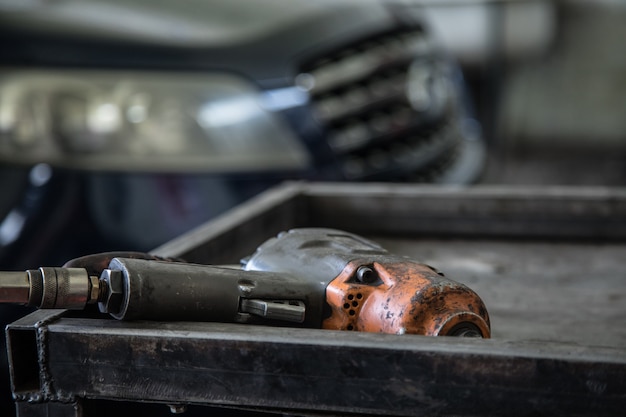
{"x":70,"y":288}
{"x":14,"y":287}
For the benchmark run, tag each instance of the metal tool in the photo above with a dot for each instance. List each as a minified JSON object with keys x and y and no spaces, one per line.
{"x":321,"y":278}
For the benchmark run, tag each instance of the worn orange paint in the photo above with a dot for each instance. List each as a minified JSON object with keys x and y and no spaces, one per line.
{"x":409,"y":298}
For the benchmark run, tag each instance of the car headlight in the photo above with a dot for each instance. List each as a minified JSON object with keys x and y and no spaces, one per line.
{"x":144,"y":121}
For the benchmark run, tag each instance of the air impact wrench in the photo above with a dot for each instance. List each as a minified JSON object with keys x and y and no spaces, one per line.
{"x":311,"y":277}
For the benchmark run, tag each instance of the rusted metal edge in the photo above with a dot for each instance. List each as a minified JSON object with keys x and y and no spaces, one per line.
{"x":308,"y":370}
{"x":23,"y":355}
{"x":556,"y":192}
{"x":558,"y":212}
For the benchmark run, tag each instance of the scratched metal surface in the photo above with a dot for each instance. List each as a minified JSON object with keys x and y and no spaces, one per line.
{"x":309,"y":371}
{"x":536,"y":290}
{"x":547,"y":262}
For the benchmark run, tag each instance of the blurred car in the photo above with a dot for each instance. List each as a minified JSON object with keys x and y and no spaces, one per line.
{"x":123,"y":124}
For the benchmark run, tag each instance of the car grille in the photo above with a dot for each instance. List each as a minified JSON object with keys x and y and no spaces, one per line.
{"x":385,"y":104}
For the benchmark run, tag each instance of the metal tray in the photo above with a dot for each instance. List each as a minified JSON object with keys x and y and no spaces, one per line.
{"x":548,"y":262}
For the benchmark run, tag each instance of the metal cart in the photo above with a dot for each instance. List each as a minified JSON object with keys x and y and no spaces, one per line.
{"x":548,"y":262}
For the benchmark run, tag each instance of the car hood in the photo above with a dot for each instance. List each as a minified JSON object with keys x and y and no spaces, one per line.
{"x":259,"y":38}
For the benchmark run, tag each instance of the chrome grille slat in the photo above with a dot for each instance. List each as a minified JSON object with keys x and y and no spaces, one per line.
{"x":361,"y":61}
{"x":360,"y":96}
{"x":415,"y":155}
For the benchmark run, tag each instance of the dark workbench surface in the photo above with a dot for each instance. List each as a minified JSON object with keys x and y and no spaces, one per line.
{"x":536,"y":290}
